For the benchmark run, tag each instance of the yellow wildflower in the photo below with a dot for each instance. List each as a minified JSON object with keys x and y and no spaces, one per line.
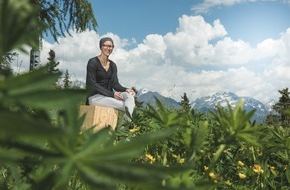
{"x":212,"y":176}
{"x":226,"y":150}
{"x":258,"y":169}
{"x":205,"y":168}
{"x":242,"y":176}
{"x":240,"y":163}
{"x":150,"y":158}
{"x":181,"y":161}
{"x":272,"y":169}
{"x":228,"y":183}
{"x":174,"y":155}
{"x":135,"y":129}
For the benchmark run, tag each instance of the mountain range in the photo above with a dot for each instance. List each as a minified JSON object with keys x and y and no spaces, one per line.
{"x":207,"y":103}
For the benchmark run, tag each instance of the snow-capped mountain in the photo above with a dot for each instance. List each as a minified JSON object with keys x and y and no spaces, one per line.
{"x":207,"y":103}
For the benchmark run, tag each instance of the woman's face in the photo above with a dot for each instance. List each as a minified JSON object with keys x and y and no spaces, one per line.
{"x":107,"y":48}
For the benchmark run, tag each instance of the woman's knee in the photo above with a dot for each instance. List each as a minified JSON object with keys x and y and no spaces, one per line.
{"x":130,"y":98}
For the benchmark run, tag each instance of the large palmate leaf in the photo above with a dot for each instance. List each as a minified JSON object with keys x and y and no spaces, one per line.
{"x":21,"y":125}
{"x":162,"y":116}
{"x":35,"y":80}
{"x":98,"y":161}
{"x":34,"y":89}
{"x":19,"y":25}
{"x":235,"y":123}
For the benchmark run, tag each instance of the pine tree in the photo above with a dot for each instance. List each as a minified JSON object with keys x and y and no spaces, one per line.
{"x":283,"y":106}
{"x":66,"y":80}
{"x":185,"y":106}
{"x":5,"y":63}
{"x":52,"y":64}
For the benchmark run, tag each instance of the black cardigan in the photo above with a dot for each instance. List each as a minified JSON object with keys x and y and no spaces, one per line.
{"x":100,"y":81}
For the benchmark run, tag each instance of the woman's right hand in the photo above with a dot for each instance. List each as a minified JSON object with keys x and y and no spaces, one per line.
{"x":118,"y":96}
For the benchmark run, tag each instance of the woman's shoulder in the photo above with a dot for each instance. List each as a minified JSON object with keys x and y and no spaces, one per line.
{"x":93,"y":61}
{"x":112,"y":62}
{"x":113,"y":66}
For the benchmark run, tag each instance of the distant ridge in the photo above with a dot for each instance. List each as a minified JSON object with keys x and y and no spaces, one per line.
{"x":146,"y":97}
{"x":208,"y":103}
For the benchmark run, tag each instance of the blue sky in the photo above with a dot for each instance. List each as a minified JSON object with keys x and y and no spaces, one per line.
{"x":250,"y":21}
{"x":196,"y":47}
{"x":137,"y":19}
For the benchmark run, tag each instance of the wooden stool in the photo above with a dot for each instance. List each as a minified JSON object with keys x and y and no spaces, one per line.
{"x":98,"y":117}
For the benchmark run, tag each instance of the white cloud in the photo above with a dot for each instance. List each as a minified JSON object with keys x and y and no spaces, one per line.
{"x":167,"y":64}
{"x":190,"y":44}
{"x":206,"y":5}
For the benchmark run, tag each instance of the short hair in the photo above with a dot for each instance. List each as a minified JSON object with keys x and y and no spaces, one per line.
{"x":103,"y":40}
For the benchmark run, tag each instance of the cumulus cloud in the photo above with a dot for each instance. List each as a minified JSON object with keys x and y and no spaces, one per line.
{"x":168,"y":64}
{"x":189,"y":45}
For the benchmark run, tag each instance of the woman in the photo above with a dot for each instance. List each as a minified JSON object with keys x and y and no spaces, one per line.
{"x":102,"y":80}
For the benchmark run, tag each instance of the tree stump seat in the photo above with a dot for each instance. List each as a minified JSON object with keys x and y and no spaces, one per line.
{"x":98,"y":117}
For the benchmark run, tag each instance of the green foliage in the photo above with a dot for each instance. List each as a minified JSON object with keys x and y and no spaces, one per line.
{"x":18,"y":18}
{"x":52,"y":63}
{"x":5,"y":63}
{"x":223,"y":150}
{"x":185,"y":106}
{"x":235,"y":125}
{"x":66,"y":80}
{"x":61,"y":16}
{"x":57,"y":151}
{"x":283,"y":107}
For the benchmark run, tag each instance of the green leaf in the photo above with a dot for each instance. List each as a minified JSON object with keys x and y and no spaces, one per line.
{"x":145,"y":176}
{"x":123,"y":151}
{"x":288,"y":175}
{"x":235,"y":124}
{"x":163,"y":116}
{"x":250,"y":138}
{"x":34,"y":89}
{"x":18,"y":18}
{"x":10,"y":155}
{"x":57,"y":99}
{"x":199,"y":136}
{"x":21,"y":125}
{"x":26,"y":149}
{"x":36,"y":80}
{"x":94,"y":179}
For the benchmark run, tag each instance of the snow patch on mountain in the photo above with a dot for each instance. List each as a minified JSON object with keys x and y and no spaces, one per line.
{"x":142,"y":91}
{"x":209,"y":103}
{"x":223,"y":99}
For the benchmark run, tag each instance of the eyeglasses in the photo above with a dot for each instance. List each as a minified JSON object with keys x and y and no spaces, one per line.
{"x":107,"y":46}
